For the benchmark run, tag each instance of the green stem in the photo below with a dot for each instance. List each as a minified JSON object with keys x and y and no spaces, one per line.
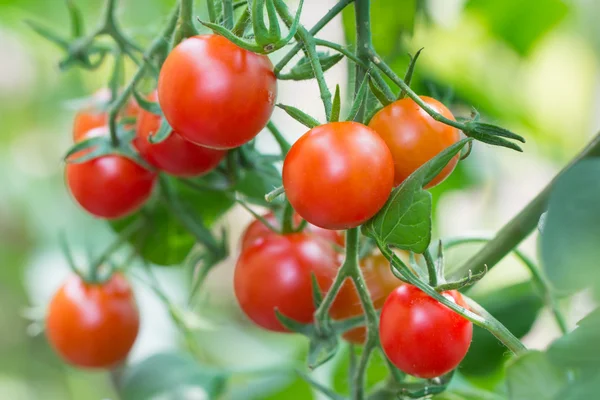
{"x":536,"y":275}
{"x":515,"y":231}
{"x":342,"y":50}
{"x":186,"y":19}
{"x":272,"y":195}
{"x":332,"y":13}
{"x":287,"y":225}
{"x":212,"y":11}
{"x":284,"y":145}
{"x":308,"y":42}
{"x":476,"y":314}
{"x":364,"y":44}
{"x":228,"y":14}
{"x":431,"y":270}
{"x":123,"y":237}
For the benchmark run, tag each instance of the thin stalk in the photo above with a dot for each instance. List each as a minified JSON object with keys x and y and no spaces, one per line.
{"x":284,"y":145}
{"x":515,"y":231}
{"x":186,"y":19}
{"x":536,"y":276}
{"x":332,"y":13}
{"x":242,"y":22}
{"x":431,"y":270}
{"x":308,"y":42}
{"x":228,"y":14}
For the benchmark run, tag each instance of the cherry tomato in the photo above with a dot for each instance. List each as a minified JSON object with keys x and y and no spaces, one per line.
{"x":257,"y":231}
{"x":95,"y":115}
{"x":174,"y":155}
{"x":276,"y":273}
{"x":93,"y":325}
{"x":414,"y":137}
{"x":421,"y":336}
{"x":338,"y":175}
{"x":216,"y":94}
{"x":109,"y":186}
{"x":380,"y":282}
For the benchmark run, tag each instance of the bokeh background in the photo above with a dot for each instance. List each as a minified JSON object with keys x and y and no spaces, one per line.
{"x":532,"y":67}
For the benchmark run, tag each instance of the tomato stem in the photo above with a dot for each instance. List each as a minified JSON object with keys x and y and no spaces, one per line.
{"x":242,"y":22}
{"x":228,"y":14}
{"x":431,"y":270}
{"x":537,"y":277}
{"x":186,"y":20}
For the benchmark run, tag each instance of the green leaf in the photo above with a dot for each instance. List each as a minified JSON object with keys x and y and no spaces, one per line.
{"x":300,"y":116}
{"x":336,"y":106}
{"x":533,"y":18}
{"x":516,"y":307}
{"x":171,"y":376}
{"x":164,"y":131}
{"x":303,"y":69}
{"x":405,"y":220}
{"x":166,"y":241}
{"x":150,"y":106}
{"x":583,"y":388}
{"x":359,"y":99}
{"x":580,"y":348}
{"x":255,"y":184}
{"x":379,"y":94}
{"x":532,"y":376}
{"x":569,"y":244}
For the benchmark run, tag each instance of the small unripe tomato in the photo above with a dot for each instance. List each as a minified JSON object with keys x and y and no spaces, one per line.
{"x":414,"y":137}
{"x":93,"y":325}
{"x":110,"y":186}
{"x":174,"y":155}
{"x":338,"y":175}
{"x":421,"y":336}
{"x":216,"y":94}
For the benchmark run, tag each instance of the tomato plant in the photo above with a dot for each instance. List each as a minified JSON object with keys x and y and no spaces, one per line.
{"x":381,"y":284}
{"x":93,"y":325}
{"x":110,"y":186}
{"x":286,"y":262}
{"x":216,"y":94}
{"x":174,"y":155}
{"x":414,"y":137}
{"x":421,"y":336}
{"x":326,"y":166}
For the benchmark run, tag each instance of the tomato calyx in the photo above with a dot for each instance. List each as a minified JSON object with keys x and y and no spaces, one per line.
{"x":99,"y":146}
{"x":267,"y":40}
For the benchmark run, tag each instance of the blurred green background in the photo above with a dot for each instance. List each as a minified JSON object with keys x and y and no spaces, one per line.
{"x":529,"y":66}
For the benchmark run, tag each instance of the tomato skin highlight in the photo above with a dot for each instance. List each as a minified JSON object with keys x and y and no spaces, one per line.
{"x":174,"y":155}
{"x":380,"y":282}
{"x":216,"y":94}
{"x":338,"y":175}
{"x":414,"y":137}
{"x":257,"y":231}
{"x":276,"y":273}
{"x":421,"y":336}
{"x":109,"y":186}
{"x":93,"y":325}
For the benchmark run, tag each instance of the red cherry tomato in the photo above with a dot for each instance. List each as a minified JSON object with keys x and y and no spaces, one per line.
{"x":414,"y":137}
{"x":380,"y":283}
{"x":93,"y":325}
{"x":338,"y":175}
{"x":276,"y":273}
{"x":256,"y":231}
{"x":95,"y":116}
{"x":216,"y":94}
{"x":421,"y":336}
{"x":110,"y":186}
{"x":174,"y":155}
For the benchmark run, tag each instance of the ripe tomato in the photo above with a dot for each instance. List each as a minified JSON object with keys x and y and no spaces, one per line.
{"x":174,"y":155}
{"x":276,"y":273}
{"x":257,"y":231}
{"x":95,"y":115}
{"x":421,"y":336}
{"x":338,"y":175}
{"x":93,"y":325}
{"x":380,"y":282}
{"x":110,"y":186}
{"x":216,"y":94}
{"x":414,"y":137}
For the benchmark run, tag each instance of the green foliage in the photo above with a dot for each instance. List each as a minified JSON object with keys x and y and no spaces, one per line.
{"x":532,"y":376}
{"x":569,"y":243}
{"x":520,"y":23}
{"x":170,"y":376}
{"x":516,"y":307}
{"x":303,"y":69}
